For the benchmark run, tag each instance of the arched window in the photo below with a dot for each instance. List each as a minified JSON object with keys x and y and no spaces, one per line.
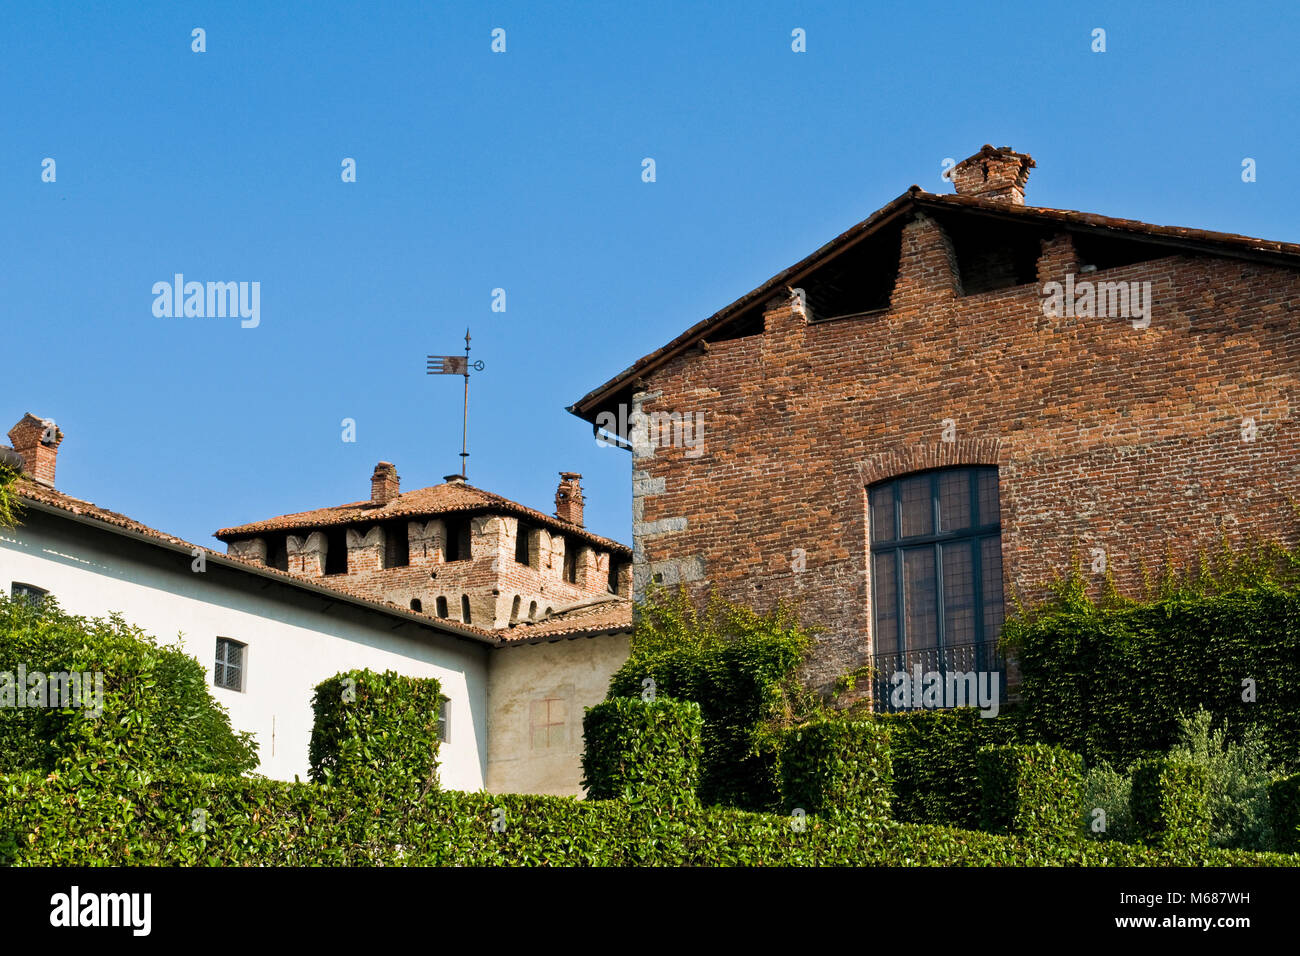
{"x":514,"y":610}
{"x":936,"y":572}
{"x":441,"y":605}
{"x":464,"y":609}
{"x":532,"y":610}
{"x":417,"y":605}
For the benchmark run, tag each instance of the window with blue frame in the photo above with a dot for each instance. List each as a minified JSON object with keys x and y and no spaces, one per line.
{"x":936,"y":565}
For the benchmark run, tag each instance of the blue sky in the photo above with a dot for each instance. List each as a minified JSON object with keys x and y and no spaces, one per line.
{"x":522,"y":170}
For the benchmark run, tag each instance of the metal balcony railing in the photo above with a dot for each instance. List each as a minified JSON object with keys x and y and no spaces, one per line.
{"x":954,"y":664}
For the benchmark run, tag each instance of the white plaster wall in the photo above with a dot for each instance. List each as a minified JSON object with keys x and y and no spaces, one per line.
{"x":293,"y":641}
{"x":576,"y":672}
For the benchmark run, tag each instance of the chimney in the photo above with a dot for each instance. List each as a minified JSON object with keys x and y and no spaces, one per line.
{"x":384,"y":484}
{"x":37,"y":440}
{"x":998,"y":175}
{"x":456,"y":479}
{"x":568,"y":498}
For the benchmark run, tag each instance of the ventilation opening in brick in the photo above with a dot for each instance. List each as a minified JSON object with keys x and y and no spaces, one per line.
{"x":277,"y":551}
{"x":457,"y":547}
{"x":397,"y":545}
{"x":1107,"y":253}
{"x":741,"y":327}
{"x":464,"y":609}
{"x":857,"y":281}
{"x":532,"y":610}
{"x":993,"y":255}
{"x":522,"y":552}
{"x":417,"y":605}
{"x":570,"y":562}
{"x":336,"y":551}
{"x":514,"y":609}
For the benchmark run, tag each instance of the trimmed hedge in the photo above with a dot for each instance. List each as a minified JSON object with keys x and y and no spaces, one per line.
{"x":1170,"y":802}
{"x":376,"y":733}
{"x":262,"y":822}
{"x":837,"y":769}
{"x":1110,"y":683}
{"x":1284,"y":813}
{"x":739,"y":687}
{"x":1030,"y":790}
{"x":158,"y":713}
{"x":645,"y":752}
{"x":933,"y":759}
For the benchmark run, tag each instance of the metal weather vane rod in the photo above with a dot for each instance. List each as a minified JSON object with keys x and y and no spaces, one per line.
{"x":457,"y":365}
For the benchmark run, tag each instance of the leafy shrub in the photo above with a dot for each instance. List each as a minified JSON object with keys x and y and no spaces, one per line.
{"x":376,"y":733}
{"x":1170,"y":802}
{"x":741,"y":668}
{"x":264,"y":822}
{"x":933,"y":759}
{"x":1029,"y":790}
{"x":158,"y":714}
{"x":1238,"y":775}
{"x":1284,"y":813}
{"x":837,"y":769}
{"x":646,"y":752}
{"x":1107,"y":790}
{"x":1109,"y":682}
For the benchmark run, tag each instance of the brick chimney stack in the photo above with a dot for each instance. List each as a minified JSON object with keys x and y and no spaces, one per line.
{"x":37,"y":440}
{"x":995,"y":174}
{"x":568,"y":498}
{"x":384,"y":484}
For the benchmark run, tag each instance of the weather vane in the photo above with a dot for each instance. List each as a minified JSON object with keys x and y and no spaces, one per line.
{"x":457,"y":365}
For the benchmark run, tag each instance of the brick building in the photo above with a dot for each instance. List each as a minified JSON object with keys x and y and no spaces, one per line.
{"x":951,"y":402}
{"x":521,"y":616}
{"x":451,"y":550}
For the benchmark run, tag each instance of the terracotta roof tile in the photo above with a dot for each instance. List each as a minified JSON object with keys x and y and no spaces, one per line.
{"x":607,"y":617}
{"x":590,"y":404}
{"x":447,"y":498}
{"x":596,"y":619}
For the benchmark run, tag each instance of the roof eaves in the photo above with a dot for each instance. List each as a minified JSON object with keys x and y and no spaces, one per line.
{"x":159,"y":539}
{"x":585,"y":406}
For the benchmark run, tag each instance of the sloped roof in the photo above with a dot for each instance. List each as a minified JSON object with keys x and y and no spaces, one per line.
{"x":609,"y":616}
{"x":916,"y":199}
{"x":590,"y":620}
{"x":447,"y":498}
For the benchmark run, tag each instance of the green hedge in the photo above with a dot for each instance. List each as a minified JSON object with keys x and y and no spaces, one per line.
{"x":260,"y":822}
{"x":158,"y":713}
{"x":933,"y":758}
{"x":1170,"y":802}
{"x":1110,"y":683}
{"x":376,"y":733}
{"x":1030,"y":790}
{"x":837,"y":769}
{"x":1284,"y":813}
{"x":739,"y":687}
{"x":645,"y":752}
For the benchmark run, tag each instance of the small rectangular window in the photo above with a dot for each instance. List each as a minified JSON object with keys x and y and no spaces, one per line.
{"x":444,"y":720}
{"x":229,"y":669}
{"x":27,"y":592}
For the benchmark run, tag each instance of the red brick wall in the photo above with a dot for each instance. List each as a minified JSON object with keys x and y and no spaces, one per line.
{"x":1105,"y":435}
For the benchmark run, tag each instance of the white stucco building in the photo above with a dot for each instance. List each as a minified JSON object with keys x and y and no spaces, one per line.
{"x":515,"y":693}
